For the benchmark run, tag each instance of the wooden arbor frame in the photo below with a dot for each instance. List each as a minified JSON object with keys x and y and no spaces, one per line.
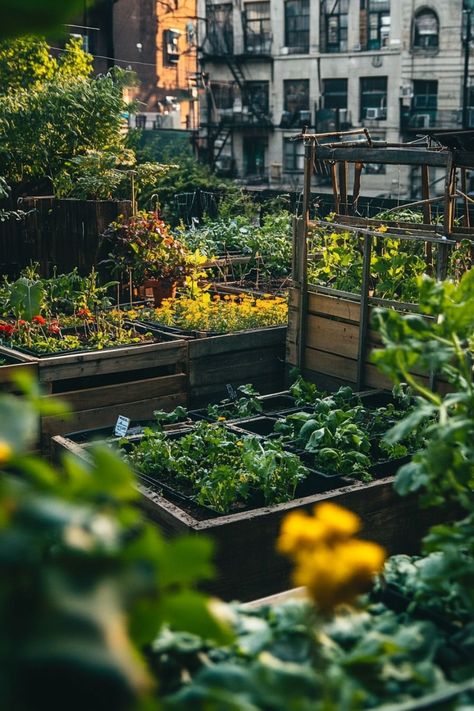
{"x":334,"y":158}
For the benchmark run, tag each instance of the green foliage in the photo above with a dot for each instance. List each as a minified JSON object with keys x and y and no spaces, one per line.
{"x":395,"y":264}
{"x":216,"y":467}
{"x":106,"y":175}
{"x":19,"y":17}
{"x":43,"y":128}
{"x":244,"y":404}
{"x":26,"y":63}
{"x":444,"y":469}
{"x":268,"y":246}
{"x":85,"y":581}
{"x":282,"y":660}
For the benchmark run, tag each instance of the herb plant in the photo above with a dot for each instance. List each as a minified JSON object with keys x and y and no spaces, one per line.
{"x":217,"y":468}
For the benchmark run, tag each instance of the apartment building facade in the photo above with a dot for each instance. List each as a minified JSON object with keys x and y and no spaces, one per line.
{"x":271,"y":67}
{"x":157,"y":40}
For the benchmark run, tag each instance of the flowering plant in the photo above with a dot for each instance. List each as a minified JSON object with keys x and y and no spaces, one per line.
{"x":222,"y":315}
{"x":143,"y":245}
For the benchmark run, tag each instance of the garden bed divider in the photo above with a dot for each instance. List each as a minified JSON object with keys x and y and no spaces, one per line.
{"x":248,"y":566}
{"x":329,"y":335}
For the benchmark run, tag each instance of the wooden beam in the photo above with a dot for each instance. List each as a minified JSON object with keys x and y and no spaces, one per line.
{"x":390,"y":156}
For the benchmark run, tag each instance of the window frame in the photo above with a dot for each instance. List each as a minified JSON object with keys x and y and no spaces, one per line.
{"x":297,"y":37}
{"x":295,"y":156}
{"x":382,"y":92}
{"x":340,"y":10}
{"x":220,"y":43}
{"x":258,"y":41}
{"x":416,"y":45}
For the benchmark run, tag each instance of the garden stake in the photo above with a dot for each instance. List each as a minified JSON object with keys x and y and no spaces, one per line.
{"x":364,"y":312}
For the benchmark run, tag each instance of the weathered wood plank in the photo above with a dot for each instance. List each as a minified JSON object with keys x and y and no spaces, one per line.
{"x":113,"y":361}
{"x":105,"y":416}
{"x":232,"y":342}
{"x":106,"y":395}
{"x":332,"y":336}
{"x":398,"y":156}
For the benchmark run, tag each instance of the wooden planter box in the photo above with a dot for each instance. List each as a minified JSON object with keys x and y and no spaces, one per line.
{"x":15,"y":363}
{"x":332,"y":341}
{"x":248,"y":567}
{"x":256,"y":357}
{"x":101,"y":385}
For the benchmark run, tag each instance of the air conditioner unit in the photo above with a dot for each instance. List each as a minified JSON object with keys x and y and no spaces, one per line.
{"x":406,"y":92}
{"x":422,"y":120}
{"x":285,"y":50}
{"x":357,"y":47}
{"x":344,"y":116}
{"x":373,"y":113}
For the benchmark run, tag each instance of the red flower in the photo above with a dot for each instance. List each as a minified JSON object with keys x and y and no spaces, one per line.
{"x":83,"y":313}
{"x":6,"y":329}
{"x":54,"y":327}
{"x":22,"y":322}
{"x":40,"y":320}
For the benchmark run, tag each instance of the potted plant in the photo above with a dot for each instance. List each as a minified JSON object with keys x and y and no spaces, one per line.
{"x":143,"y":246}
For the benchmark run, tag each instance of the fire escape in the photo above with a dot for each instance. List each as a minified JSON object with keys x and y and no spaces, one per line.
{"x":245,"y":104}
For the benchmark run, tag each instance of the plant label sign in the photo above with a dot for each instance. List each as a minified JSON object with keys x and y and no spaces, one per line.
{"x":121,"y":426}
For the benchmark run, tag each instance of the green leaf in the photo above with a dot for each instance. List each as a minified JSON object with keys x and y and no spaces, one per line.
{"x":190,"y":611}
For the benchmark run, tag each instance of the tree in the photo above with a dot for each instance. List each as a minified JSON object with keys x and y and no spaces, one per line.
{"x":42,"y":128}
{"x":26,"y":63}
{"x":19,"y":17}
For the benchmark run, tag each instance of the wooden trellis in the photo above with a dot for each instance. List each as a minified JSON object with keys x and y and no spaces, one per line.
{"x":329,"y":336}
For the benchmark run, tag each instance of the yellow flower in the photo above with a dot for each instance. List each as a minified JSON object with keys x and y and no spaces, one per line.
{"x":339,"y":522}
{"x":300,"y":532}
{"x":334,"y":566}
{"x":6,"y":452}
{"x":221,"y":419}
{"x":382,"y":229}
{"x":337,"y":574}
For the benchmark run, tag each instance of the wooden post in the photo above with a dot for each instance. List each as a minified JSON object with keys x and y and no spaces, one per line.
{"x":343,"y":179}
{"x":442,"y":262}
{"x":335,"y":188}
{"x":364,"y":312}
{"x":425,"y":192}
{"x":466,"y":217}
{"x":303,"y":253}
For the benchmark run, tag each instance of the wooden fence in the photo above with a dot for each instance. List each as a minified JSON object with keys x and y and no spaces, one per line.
{"x":60,"y":234}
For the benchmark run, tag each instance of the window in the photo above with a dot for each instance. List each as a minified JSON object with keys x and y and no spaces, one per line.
{"x":223,"y":95}
{"x":220,"y":37}
{"x":373,"y":98}
{"x":426,"y":30}
{"x":254,"y":156}
{"x":257,"y":28}
{"x":334,"y":23}
{"x":334,"y":94}
{"x":378,"y":23}
{"x":297,"y":26}
{"x":293,"y":155}
{"x":256,"y":97}
{"x":425,"y":95}
{"x":170,"y":48}
{"x":296,"y":95}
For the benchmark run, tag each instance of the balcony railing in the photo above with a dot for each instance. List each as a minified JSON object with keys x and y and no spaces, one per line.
{"x":441,"y":119}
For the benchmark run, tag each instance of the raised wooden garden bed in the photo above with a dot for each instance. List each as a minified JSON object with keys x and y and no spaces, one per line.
{"x":12,"y":363}
{"x":101,"y":385}
{"x":247,"y":564}
{"x":256,"y":357}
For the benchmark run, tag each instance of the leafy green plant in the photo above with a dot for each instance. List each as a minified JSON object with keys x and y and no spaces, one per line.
{"x":86,"y":583}
{"x":143,"y":244}
{"x":244,"y":404}
{"x":217,"y":467}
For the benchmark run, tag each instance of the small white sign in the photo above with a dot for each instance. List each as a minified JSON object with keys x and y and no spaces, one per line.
{"x":121,"y":426}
